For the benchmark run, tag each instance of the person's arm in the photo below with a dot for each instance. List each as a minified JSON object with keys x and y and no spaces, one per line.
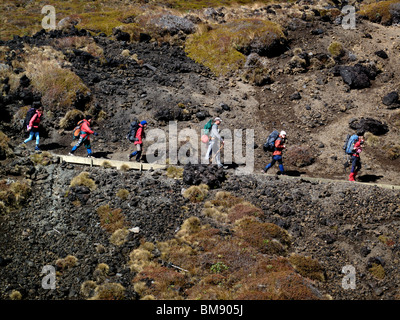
{"x":279,"y":144}
{"x":30,"y":126}
{"x":215,"y":133}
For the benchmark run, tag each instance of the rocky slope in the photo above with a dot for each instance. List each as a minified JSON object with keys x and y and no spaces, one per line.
{"x":316,"y":96}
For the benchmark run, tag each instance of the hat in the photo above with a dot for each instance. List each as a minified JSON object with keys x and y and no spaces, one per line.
{"x":217,"y":119}
{"x":283,"y":133}
{"x":88,"y":117}
{"x":143,"y":122}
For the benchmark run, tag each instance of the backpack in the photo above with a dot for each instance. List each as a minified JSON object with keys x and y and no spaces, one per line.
{"x":77,"y":130}
{"x":131,"y":136}
{"x":31,"y":112}
{"x":348,"y":146}
{"x":269,"y":145}
{"x":208,"y":126}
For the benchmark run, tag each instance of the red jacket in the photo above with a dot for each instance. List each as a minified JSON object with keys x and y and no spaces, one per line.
{"x":357,"y":148}
{"x":279,"y":146}
{"x":35,"y":120}
{"x":139,"y":134}
{"x":85,"y":129}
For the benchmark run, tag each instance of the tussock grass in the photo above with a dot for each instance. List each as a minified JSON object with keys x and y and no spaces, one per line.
{"x":196,"y":193}
{"x":5,"y":149}
{"x":379,"y":11}
{"x":174,"y":172}
{"x":111,"y":219}
{"x":83,"y":179}
{"x":222,"y":48}
{"x":205,"y":264}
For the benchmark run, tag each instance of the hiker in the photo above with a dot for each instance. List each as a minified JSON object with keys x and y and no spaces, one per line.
{"x":277,"y":154}
{"x":214,"y":143}
{"x":355,"y":156}
{"x":84,"y":136}
{"x":138,"y":141}
{"x":33,"y":128}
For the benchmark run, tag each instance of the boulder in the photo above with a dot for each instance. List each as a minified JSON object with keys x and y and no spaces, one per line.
{"x":391,"y":100}
{"x":198,"y":174}
{"x":357,"y":76}
{"x":369,"y":125}
{"x":171,"y":24}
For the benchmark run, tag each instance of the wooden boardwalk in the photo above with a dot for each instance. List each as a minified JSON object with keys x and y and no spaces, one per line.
{"x":101,"y":162}
{"x":110,"y":163}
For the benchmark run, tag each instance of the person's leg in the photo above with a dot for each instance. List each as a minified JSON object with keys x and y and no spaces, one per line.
{"x":353,"y":168}
{"x":134,"y":153}
{"x":269,"y":165}
{"x":138,"y":152}
{"x":31,"y":134}
{"x":37,"y":140}
{"x":209,"y":150}
{"x":357,"y":167}
{"x":88,"y":147}
{"x":217,"y":154}
{"x":78,"y":144}
{"x":280,"y":162}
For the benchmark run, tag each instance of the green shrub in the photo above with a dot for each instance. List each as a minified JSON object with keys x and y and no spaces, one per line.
{"x":223,"y":47}
{"x":379,"y":11}
{"x":336,"y":49}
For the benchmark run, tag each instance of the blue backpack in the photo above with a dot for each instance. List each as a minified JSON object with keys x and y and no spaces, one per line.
{"x":348,"y":146}
{"x":269,"y":145}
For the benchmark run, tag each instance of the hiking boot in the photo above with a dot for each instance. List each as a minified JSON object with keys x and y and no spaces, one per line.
{"x":71,"y":154}
{"x":263,"y":170}
{"x":89,"y":156}
{"x":22,"y":145}
{"x":130,"y":157}
{"x":37,"y":148}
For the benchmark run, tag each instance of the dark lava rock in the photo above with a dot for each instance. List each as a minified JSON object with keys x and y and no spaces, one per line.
{"x":121,"y":35}
{"x":382,"y":54}
{"x":357,"y":76}
{"x":198,"y":174}
{"x":369,"y":125}
{"x":391,"y":100}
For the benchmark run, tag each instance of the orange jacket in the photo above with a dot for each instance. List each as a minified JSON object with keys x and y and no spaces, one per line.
{"x":279,"y":146}
{"x":85,"y":129}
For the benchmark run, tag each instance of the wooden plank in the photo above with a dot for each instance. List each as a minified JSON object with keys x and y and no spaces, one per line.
{"x":112,"y":163}
{"x":324,"y":180}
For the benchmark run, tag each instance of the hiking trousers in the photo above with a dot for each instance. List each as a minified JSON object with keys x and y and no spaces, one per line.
{"x":355,"y":164}
{"x":33,"y":133}
{"x":274,"y":160}
{"x":86,"y":142}
{"x":213,"y":148}
{"x":137,"y":153}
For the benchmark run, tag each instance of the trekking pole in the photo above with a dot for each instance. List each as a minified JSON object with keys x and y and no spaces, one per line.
{"x":218,"y":151}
